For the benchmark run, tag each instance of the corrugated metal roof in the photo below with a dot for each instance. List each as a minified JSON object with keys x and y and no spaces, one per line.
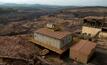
{"x":54,"y":34}
{"x":84,"y":46}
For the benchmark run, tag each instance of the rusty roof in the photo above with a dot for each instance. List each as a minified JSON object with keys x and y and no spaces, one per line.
{"x":84,"y":46}
{"x":53,"y":34}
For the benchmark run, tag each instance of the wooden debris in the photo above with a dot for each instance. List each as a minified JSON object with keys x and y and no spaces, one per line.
{"x":44,"y":52}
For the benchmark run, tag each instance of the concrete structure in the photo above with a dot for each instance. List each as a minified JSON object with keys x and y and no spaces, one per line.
{"x":57,"y":41}
{"x":94,"y":27}
{"x":90,"y":30}
{"x":50,"y":25}
{"x":82,"y":51}
{"x":103,"y":33}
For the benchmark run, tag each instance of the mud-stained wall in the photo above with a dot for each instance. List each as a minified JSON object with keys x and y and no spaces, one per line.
{"x":90,"y":30}
{"x":48,"y":40}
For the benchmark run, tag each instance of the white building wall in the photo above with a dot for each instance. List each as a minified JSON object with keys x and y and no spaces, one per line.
{"x":48,"y":40}
{"x":103,"y":35}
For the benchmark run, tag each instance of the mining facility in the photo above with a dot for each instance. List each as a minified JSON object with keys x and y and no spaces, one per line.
{"x":53,"y":38}
{"x":93,"y":27}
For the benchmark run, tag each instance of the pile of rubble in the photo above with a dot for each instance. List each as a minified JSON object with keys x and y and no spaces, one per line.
{"x":17,"y":48}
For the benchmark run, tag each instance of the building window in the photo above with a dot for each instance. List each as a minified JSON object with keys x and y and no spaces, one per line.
{"x":70,"y":39}
{"x":67,"y":40}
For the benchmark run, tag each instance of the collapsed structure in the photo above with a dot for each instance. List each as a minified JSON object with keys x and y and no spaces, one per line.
{"x":82,"y":51}
{"x":93,"y":27}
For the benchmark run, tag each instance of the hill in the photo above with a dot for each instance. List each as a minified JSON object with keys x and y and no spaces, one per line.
{"x":86,"y":11}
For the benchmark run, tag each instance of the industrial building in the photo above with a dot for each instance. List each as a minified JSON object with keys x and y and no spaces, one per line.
{"x":103,"y":33}
{"x":94,"y":27}
{"x":82,"y":51}
{"x":60,"y":41}
{"x":55,"y":40}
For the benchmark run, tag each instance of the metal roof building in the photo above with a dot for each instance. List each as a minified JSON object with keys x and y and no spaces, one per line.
{"x":82,"y":51}
{"x":57,"y":41}
{"x":52,"y":33}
